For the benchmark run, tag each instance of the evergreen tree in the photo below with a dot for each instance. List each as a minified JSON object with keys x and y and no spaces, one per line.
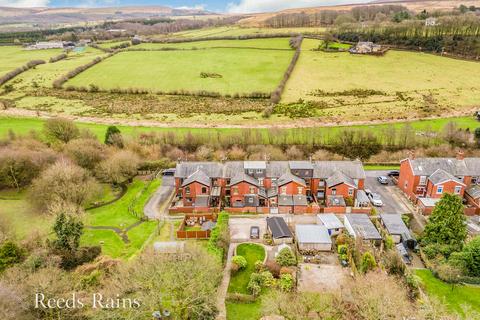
{"x":68,"y":230}
{"x":111,"y":132}
{"x":446,"y":225}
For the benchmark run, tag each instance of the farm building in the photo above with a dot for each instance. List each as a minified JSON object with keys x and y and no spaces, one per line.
{"x":46,"y":45}
{"x":366,"y":47}
{"x":395,"y":226}
{"x":331,"y":222}
{"x":360,"y":225}
{"x":312,"y":237}
{"x":279,"y":230}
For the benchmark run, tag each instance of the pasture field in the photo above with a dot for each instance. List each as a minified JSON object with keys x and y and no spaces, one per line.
{"x":272,"y":43}
{"x":399,"y":84}
{"x":12,"y":57}
{"x":240,"y":70}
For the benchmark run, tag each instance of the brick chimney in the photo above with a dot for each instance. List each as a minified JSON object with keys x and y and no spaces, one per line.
{"x":460,"y":155}
{"x":411,"y":154}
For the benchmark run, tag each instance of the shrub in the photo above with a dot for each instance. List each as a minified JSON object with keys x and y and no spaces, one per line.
{"x":12,"y":74}
{"x":342,"y":249}
{"x":240,"y":298}
{"x":368,"y":262}
{"x":393,"y":263}
{"x":60,"y":129}
{"x":389,"y":242}
{"x":10,"y":254}
{"x":259,"y":266}
{"x":73,"y":259}
{"x":286,"y":270}
{"x":341,"y":239}
{"x":286,"y":258}
{"x":286,"y":282}
{"x":267,"y":279}
{"x":273,"y":267}
{"x":240,"y":261}
{"x":218,"y":243}
{"x":58,"y":58}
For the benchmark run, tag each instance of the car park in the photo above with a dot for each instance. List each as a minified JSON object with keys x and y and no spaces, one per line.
{"x":375,"y":199}
{"x":394,"y":173}
{"x":382,"y":179}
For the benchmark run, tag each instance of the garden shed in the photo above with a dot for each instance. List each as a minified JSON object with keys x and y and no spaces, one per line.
{"x":279,"y":230}
{"x":312,"y":237}
{"x":331,"y":222}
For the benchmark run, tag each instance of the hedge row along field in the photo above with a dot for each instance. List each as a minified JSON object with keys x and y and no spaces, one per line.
{"x":12,"y":74}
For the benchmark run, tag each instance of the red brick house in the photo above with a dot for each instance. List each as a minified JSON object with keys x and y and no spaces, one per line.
{"x":424,"y":180}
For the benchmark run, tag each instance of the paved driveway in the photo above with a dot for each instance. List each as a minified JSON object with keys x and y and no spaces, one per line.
{"x":321,"y":277}
{"x":151,"y":209}
{"x":393,"y":200}
{"x":240,"y":228}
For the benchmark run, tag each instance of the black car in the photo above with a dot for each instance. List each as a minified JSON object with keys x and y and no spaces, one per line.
{"x":394,"y":173}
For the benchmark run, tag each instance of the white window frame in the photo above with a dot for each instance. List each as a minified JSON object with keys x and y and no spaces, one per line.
{"x":250,"y":200}
{"x":187,"y":190}
{"x":350,"y":192}
{"x":300,"y":190}
{"x":283,"y":190}
{"x":259,"y":171}
{"x":334,"y":192}
{"x":235,"y":191}
{"x":457,"y":189}
{"x":440,"y":190}
{"x":252,"y":190}
{"x":260,"y":181}
{"x":423,"y":180}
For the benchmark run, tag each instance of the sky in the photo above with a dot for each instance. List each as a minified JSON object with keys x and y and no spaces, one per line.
{"x":232,"y":6}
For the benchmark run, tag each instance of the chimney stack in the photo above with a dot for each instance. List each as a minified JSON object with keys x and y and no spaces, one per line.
{"x":411,"y":154}
{"x":460,"y":155}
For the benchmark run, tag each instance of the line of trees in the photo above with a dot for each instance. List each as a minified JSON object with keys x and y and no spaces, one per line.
{"x":12,"y":74}
{"x":58,"y":58}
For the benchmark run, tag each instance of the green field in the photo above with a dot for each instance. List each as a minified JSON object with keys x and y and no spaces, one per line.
{"x":273,"y":43}
{"x":410,"y":84}
{"x":241,"y":70}
{"x":455,"y":298}
{"x":12,"y":57}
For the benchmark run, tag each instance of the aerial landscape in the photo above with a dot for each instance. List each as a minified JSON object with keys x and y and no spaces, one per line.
{"x":274,"y":160}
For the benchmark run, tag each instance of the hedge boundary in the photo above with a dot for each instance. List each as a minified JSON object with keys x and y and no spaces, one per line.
{"x":12,"y":74}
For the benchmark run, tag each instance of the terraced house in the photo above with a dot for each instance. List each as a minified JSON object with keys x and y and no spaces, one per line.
{"x":425,"y":180}
{"x":268,"y":186}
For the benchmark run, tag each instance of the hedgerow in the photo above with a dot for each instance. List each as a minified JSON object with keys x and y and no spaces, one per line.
{"x":215,"y":246}
{"x":12,"y":74}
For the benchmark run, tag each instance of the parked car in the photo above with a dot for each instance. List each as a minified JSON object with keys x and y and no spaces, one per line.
{"x":254,"y":232}
{"x":382,"y":179}
{"x":394,"y":173}
{"x":368,"y":192}
{"x":375,"y":199}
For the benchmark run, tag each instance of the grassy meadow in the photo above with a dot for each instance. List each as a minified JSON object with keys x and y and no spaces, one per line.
{"x":405,"y":83}
{"x":12,"y":57}
{"x":241,"y":70}
{"x":273,"y":43}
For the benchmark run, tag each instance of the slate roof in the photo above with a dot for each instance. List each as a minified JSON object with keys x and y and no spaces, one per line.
{"x":362,"y":197}
{"x":473,"y":191}
{"x":339,"y":177}
{"x":300,"y":200}
{"x":441,"y":176}
{"x":325,"y":169}
{"x":243,"y":177}
{"x":473,"y":165}
{"x":300,"y":165}
{"x":201,"y":201}
{"x":255,"y":165}
{"x":330,"y":221}
{"x":362,"y":226}
{"x":211,"y":169}
{"x":284,"y":200}
{"x":232,"y":168}
{"x":429,"y":202}
{"x":312,"y":233}
{"x":336,"y":201}
{"x":198,"y":176}
{"x":394,"y":223}
{"x":276,"y":169}
{"x":288,"y":177}
{"x":278,"y":228}
{"x":427,"y":166}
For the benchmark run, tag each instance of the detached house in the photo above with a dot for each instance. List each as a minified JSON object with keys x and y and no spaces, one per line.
{"x":425,"y":180}
{"x":268,"y":187}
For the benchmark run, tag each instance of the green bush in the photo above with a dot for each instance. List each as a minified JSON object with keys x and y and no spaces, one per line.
{"x":342,"y":249}
{"x":368,"y":262}
{"x":10,"y":254}
{"x":389,"y":242}
{"x":285,"y":258}
{"x":216,"y":245}
{"x":240,"y":261}
{"x":267,"y":279}
{"x":240,"y":298}
{"x":286,"y":282}
{"x":259,"y":266}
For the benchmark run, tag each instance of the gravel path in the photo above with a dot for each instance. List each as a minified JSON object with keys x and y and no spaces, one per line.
{"x":223,"y":288}
{"x":163,"y":193}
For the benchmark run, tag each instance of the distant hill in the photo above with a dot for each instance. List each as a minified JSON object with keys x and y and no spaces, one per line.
{"x":79,"y":15}
{"x":413,"y":5}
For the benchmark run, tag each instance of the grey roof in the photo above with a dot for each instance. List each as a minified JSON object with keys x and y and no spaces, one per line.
{"x":362,"y":197}
{"x":198,"y":176}
{"x":255,"y":165}
{"x":394,"y":223}
{"x":473,"y":165}
{"x":288,"y":177}
{"x":301,"y":165}
{"x":473,"y":191}
{"x":208,"y":225}
{"x":211,"y":169}
{"x":232,"y":168}
{"x":352,"y":169}
{"x":427,"y":166}
{"x":429,"y":202}
{"x":262,"y":193}
{"x":336,"y":201}
{"x":330,"y":221}
{"x":300,"y":200}
{"x":279,"y":228}
{"x":201,"y":201}
{"x":312,"y":233}
{"x":243,"y":177}
{"x":272,"y":192}
{"x":284,"y":200}
{"x":441,"y":176}
{"x":363,"y":226}
{"x":339,"y":177}
{"x":276,"y":169}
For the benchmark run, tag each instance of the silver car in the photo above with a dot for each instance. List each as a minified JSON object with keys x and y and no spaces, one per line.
{"x":375,"y":199}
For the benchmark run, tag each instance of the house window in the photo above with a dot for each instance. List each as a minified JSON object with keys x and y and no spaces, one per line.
{"x":189,"y":199}
{"x":187,"y":190}
{"x":439,"y":189}
{"x":283,"y":190}
{"x":252,"y":190}
{"x":235,"y":190}
{"x":321,"y":183}
{"x":250,"y":171}
{"x":259,"y":171}
{"x":300,"y":190}
{"x":457,"y":189}
{"x":260,"y":181}
{"x":204,"y":190}
{"x":475,"y":180}
{"x":350,"y":192}
{"x":423,"y":180}
{"x":334,"y":192}
{"x":250,"y":200}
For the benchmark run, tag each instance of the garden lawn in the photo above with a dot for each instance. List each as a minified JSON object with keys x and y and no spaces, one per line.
{"x":460,"y":295}
{"x":242,"y":71}
{"x":12,"y":57}
{"x":16,"y":212}
{"x":242,"y":311}
{"x":252,"y":253}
